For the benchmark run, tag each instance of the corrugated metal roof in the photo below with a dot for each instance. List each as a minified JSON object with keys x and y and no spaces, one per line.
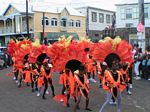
{"x":43,"y":8}
{"x":59,"y":9}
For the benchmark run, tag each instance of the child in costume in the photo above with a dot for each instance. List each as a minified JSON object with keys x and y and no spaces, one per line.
{"x":125,"y":72}
{"x":67,"y":80}
{"x":34,"y":77}
{"x":114,"y":85}
{"x":46,"y":71}
{"x":26,"y":74}
{"x":101,"y":67}
{"x":91,"y":69}
{"x":82,"y":87}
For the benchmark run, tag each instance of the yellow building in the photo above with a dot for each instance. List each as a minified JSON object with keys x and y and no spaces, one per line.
{"x":57,"y":21}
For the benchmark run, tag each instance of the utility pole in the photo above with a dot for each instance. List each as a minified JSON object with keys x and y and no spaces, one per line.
{"x":141,"y":35}
{"x":141,"y":12}
{"x":43,"y":25}
{"x":27,"y":19}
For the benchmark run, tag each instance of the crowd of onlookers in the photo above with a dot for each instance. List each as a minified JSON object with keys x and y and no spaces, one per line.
{"x":5,"y":59}
{"x":141,"y":64}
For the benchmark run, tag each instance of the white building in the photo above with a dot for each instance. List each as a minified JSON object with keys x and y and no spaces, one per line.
{"x":97,"y":21}
{"x":127,"y":19}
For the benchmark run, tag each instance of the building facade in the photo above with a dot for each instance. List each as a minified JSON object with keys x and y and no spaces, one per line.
{"x":57,"y":21}
{"x":127,"y":20}
{"x":97,"y":21}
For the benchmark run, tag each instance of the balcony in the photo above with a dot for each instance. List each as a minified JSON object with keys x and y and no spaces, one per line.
{"x":6,"y":30}
{"x":10,"y":30}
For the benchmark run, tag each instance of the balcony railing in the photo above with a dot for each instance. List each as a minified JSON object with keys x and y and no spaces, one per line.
{"x":10,"y":30}
{"x":6,"y":30}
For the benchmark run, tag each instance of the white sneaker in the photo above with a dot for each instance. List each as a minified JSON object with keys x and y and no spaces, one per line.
{"x":137,"y":78}
{"x":148,"y":79}
{"x":93,"y":80}
{"x":130,"y":86}
{"x":38,"y":94}
{"x":112,"y":103}
{"x":16,"y":81}
{"x":47,"y":92}
{"x":14,"y":78}
{"x":129,"y":93}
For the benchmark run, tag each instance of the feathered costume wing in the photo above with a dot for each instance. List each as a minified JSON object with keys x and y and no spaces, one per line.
{"x":117,"y":46}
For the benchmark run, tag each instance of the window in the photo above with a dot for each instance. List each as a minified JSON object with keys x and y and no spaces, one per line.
{"x":129,"y":25}
{"x":45,"y":21}
{"x":146,"y":12}
{"x":135,"y":12}
{"x":107,"y":18}
{"x":71,"y":23}
{"x":101,"y":18}
{"x":94,"y":17}
{"x":53,"y":22}
{"x":78,"y":24}
{"x":122,"y":13}
{"x":128,"y":13}
{"x":64,"y":22}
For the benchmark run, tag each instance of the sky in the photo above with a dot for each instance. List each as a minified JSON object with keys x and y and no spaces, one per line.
{"x":103,"y":4}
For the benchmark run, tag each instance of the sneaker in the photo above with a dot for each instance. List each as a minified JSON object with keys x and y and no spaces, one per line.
{"x":19,"y":85}
{"x":88,"y":109}
{"x":92,"y":80}
{"x":130,"y":86}
{"x":112,"y":103}
{"x":148,"y":79}
{"x":38,"y":94}
{"x":137,"y":78}
{"x":14,"y":78}
{"x":47,"y":92}
{"x":16,"y":81}
{"x":129,"y":93}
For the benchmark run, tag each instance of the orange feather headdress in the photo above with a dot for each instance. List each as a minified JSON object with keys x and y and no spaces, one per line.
{"x":113,"y":46}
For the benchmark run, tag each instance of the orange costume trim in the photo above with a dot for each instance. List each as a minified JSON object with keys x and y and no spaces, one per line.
{"x":99,"y":71}
{"x":81,"y":85}
{"x":27,"y":75}
{"x":109,"y":82}
{"x":125,"y":72}
{"x":64,"y":79}
{"x":44,"y":73}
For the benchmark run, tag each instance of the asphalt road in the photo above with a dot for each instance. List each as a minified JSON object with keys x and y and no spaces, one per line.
{"x":14,"y":99}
